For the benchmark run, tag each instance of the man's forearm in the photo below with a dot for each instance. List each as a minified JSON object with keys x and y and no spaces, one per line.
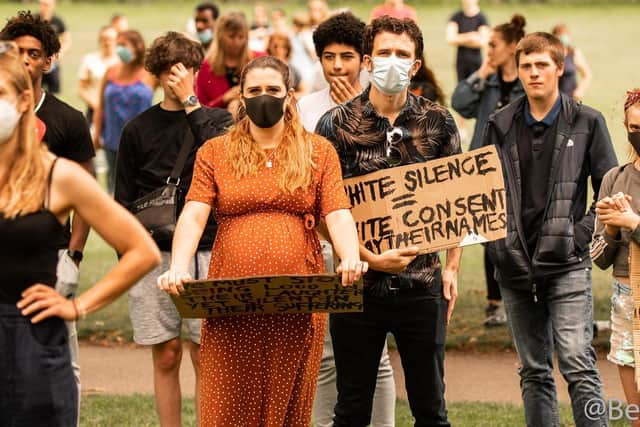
{"x":453,"y":259}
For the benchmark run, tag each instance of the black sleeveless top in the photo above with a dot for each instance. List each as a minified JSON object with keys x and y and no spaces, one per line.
{"x":28,"y":250}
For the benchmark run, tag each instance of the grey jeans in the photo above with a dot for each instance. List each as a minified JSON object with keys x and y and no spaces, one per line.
{"x":559,"y":318}
{"x":67,"y":286}
{"x":384,"y":401}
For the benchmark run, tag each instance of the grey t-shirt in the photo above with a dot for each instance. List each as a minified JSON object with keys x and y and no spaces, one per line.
{"x":607,"y":250}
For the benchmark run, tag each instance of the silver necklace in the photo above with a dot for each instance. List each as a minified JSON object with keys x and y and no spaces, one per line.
{"x":269,"y":163}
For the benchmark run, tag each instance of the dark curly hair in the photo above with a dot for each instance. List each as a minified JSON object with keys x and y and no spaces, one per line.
{"x":343,"y":28}
{"x":26,"y":24}
{"x":387,"y":24}
{"x":169,"y":49}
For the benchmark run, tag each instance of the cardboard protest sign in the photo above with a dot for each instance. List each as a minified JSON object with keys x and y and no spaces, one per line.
{"x":268,"y":295}
{"x":634,"y":277}
{"x":440,"y":204}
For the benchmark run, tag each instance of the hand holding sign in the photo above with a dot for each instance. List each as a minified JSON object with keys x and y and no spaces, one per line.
{"x":394,"y":260}
{"x":351,"y":271}
{"x":172,"y":281}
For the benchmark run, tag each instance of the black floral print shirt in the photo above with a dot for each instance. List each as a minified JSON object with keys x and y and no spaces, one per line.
{"x":367,"y":142}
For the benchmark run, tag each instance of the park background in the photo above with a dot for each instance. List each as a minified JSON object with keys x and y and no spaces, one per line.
{"x":605,"y":31}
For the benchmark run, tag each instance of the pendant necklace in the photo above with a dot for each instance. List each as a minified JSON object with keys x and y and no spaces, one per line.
{"x":269,"y":160}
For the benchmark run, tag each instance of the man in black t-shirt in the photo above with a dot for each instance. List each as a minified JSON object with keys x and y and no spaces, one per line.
{"x":51,"y":79}
{"x":468,"y":29}
{"x":67,"y":135}
{"x":148,"y":150}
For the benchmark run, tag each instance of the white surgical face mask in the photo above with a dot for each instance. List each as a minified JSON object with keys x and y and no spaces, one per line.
{"x":391,"y":74}
{"x":9,"y":118}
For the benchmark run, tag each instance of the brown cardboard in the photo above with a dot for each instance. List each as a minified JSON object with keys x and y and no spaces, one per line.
{"x":441,"y":204}
{"x":634,"y":277}
{"x":268,"y":295}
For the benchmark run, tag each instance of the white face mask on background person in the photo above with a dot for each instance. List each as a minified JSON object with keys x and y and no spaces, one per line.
{"x":9,"y":118}
{"x":391,"y":74}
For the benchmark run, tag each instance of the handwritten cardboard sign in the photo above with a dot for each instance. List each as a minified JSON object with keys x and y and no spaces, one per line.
{"x":268,"y":295}
{"x":440,"y":204}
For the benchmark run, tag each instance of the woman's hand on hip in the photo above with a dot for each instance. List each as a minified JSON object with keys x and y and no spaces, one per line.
{"x":46,"y":302}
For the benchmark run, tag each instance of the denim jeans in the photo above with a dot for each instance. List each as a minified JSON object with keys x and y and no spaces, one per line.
{"x":561,"y":319}
{"x":417,"y":319}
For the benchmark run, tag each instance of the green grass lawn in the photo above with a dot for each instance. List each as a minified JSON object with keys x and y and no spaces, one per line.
{"x":107,"y":411}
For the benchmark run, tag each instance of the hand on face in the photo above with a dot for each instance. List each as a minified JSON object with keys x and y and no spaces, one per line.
{"x":180,"y":80}
{"x":341,"y":90}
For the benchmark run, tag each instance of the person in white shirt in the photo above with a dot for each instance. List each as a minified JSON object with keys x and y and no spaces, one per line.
{"x":93,"y":67}
{"x":338,"y":44}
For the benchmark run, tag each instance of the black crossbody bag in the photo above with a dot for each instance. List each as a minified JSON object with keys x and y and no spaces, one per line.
{"x":158,"y":210}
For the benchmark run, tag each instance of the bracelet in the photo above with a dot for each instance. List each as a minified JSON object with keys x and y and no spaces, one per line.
{"x":80,"y":313}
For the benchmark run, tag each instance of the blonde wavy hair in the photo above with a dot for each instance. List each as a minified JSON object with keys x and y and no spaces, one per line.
{"x":230,"y":22}
{"x":23,"y":187}
{"x":295,"y":150}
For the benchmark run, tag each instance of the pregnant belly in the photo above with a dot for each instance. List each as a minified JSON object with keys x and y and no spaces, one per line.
{"x":262,"y":244}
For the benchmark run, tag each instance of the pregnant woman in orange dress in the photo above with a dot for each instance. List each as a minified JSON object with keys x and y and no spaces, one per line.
{"x":269,"y":183}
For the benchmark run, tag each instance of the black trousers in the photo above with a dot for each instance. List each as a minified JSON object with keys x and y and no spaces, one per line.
{"x":493,"y":289}
{"x":417,"y":320}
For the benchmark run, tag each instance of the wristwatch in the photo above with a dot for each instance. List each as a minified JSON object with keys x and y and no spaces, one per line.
{"x":191,"y":101}
{"x":75,"y":255}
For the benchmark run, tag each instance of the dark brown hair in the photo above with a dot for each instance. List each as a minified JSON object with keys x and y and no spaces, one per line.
{"x":387,"y":24}
{"x":169,"y":49}
{"x":541,"y":42}
{"x":512,"y":31}
{"x":136,"y":40}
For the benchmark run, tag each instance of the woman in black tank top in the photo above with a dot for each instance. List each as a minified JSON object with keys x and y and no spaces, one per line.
{"x":37,"y":193}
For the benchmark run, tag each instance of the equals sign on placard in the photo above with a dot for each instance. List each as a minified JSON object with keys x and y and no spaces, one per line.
{"x":404,"y":200}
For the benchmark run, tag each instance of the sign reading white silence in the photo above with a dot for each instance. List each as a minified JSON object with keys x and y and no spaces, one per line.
{"x":268,"y":295}
{"x":440,"y":204}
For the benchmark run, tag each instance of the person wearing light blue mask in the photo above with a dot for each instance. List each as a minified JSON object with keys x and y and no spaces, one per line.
{"x":205,"y":23}
{"x":406,"y":293}
{"x":126,"y":91}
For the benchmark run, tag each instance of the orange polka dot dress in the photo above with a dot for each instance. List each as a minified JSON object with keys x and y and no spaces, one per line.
{"x":261,"y":370}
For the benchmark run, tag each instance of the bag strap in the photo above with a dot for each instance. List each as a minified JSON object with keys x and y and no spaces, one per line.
{"x":185,"y":149}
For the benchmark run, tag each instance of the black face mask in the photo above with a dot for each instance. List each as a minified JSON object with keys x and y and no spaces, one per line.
{"x":264,"y":110}
{"x":634,"y":140}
